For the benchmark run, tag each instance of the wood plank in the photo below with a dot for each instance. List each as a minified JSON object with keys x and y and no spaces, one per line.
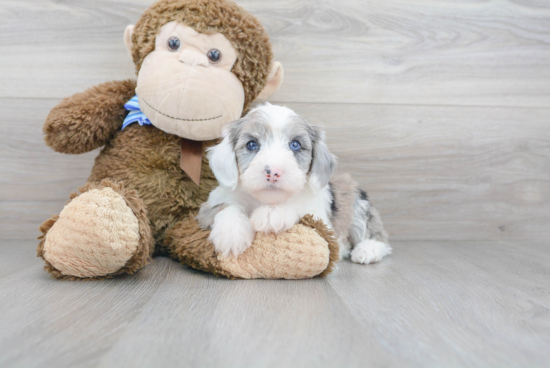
{"x":444,"y":172}
{"x":170,"y":315}
{"x":440,"y":111}
{"x":248,"y":324}
{"x":392,"y":52}
{"x":16,"y":256}
{"x":69,"y":324}
{"x":454,"y":304}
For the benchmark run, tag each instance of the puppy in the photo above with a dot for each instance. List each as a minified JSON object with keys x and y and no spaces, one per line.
{"x":273,"y":168}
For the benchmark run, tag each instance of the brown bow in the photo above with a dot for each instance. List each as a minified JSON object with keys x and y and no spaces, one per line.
{"x":191,"y":159}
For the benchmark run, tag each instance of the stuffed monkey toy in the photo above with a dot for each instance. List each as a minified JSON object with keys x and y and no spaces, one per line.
{"x":200,"y":64}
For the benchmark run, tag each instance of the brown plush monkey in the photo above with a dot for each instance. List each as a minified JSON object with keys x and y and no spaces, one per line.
{"x":200,"y":64}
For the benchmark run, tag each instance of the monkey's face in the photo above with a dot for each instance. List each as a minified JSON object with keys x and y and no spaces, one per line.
{"x":185,"y":86}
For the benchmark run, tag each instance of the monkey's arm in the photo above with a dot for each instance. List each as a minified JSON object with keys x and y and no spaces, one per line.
{"x":87,"y":120}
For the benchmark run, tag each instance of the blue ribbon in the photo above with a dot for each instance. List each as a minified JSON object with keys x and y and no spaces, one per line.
{"x":135,"y":115}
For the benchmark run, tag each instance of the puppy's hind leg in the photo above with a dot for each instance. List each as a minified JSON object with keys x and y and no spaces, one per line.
{"x":367,"y":234}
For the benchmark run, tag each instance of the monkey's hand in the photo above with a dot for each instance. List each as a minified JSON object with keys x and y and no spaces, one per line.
{"x":87,"y":120}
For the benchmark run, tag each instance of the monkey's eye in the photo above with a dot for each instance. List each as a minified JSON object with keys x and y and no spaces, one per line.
{"x":295,"y":146}
{"x":174,"y":44}
{"x":252,"y":146}
{"x":214,"y":56}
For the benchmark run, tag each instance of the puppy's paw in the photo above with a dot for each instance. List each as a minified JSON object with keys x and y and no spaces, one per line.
{"x":273,"y":219}
{"x":231,"y":232}
{"x":369,"y":251}
{"x":260,"y":218}
{"x":283,"y":219}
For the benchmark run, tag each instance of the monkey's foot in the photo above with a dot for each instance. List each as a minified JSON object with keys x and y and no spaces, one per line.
{"x":308,"y":249}
{"x":101,"y":232}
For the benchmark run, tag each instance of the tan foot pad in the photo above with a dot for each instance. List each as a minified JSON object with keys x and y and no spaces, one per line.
{"x":306,"y":250}
{"x":295,"y":254}
{"x":95,"y":235}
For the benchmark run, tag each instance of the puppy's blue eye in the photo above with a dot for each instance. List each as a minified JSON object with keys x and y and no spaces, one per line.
{"x":295,"y":145}
{"x":252,"y":146}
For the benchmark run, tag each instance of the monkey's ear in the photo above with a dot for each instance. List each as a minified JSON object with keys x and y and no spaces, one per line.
{"x":223,"y":163}
{"x":128,"y":32}
{"x":274,"y":81}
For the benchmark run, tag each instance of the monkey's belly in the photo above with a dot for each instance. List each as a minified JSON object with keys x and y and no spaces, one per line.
{"x":146,"y":159}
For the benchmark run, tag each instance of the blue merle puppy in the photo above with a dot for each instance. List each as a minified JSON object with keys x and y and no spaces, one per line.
{"x":273,"y":168}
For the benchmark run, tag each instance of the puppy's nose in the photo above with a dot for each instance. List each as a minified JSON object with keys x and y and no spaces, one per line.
{"x":273,"y":173}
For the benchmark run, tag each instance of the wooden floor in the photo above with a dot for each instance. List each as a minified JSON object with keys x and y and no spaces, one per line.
{"x":441,"y":110}
{"x":431,"y":304}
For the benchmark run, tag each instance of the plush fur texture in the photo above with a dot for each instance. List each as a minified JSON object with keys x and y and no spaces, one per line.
{"x":100,"y":220}
{"x":212,"y":16}
{"x":147,"y":160}
{"x":66,"y":255}
{"x":142,"y":163}
{"x":309,"y":249}
{"x":183,"y":93}
{"x":87,"y":120}
{"x":143,"y":158}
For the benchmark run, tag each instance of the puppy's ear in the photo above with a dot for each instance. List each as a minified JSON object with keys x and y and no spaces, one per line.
{"x":323,"y":162}
{"x":223,"y":162}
